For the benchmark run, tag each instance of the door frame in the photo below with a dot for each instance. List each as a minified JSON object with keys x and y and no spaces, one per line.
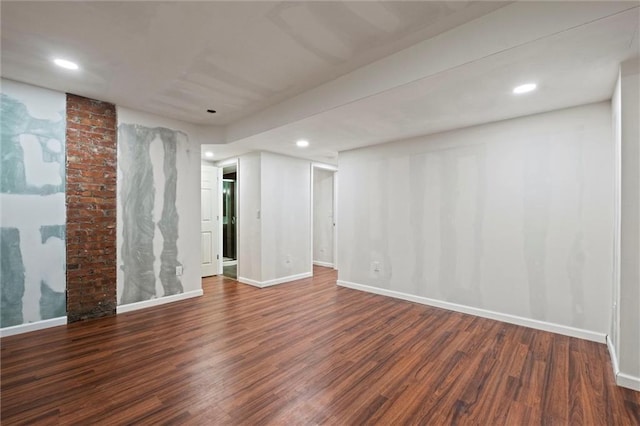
{"x":334,"y":169}
{"x":232,"y":162}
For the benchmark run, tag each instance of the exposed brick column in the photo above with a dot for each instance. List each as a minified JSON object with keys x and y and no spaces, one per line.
{"x":91,"y":208}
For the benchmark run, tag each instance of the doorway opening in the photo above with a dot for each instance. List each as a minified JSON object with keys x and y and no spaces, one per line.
{"x":323,"y":216}
{"x":229,"y":221}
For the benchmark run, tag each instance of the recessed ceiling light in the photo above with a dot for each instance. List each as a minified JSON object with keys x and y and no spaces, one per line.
{"x":63,"y":63}
{"x":302,"y":143}
{"x":208,"y":154}
{"x":524,"y":88}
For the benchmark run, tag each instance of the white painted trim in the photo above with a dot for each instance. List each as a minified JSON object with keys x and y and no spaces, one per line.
{"x":335,"y":220}
{"x":613,"y":356}
{"x":325,"y":264}
{"x":121,"y":309}
{"x":312,"y":184}
{"x":628,"y":381}
{"x":498,"y":316}
{"x":249,"y":281}
{"x":32,"y":326}
{"x":227,"y":162}
{"x":325,"y":166}
{"x":220,"y":213}
{"x":262,"y":284}
{"x":622,"y":379}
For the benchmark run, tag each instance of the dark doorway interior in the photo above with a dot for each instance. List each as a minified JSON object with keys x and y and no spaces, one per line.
{"x":229,"y":224}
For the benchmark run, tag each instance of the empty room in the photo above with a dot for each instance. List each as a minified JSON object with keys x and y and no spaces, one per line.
{"x":320,"y":212}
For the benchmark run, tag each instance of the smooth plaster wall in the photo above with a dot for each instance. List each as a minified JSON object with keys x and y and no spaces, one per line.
{"x":286,"y":216}
{"x":249,"y":228}
{"x":629,"y":338}
{"x":32,"y":204}
{"x":323,"y":216}
{"x":514,"y":217}
{"x":616,"y":124}
{"x":158,"y":225}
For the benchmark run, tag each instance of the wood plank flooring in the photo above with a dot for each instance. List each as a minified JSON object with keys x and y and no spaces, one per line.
{"x":301,"y":353}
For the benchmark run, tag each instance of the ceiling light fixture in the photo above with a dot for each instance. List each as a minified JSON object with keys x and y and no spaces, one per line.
{"x":302,"y":143}
{"x":208,"y":154}
{"x":63,"y":63}
{"x":524,"y":88}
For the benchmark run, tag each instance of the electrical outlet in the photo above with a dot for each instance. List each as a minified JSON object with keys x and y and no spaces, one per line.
{"x":288,"y":259}
{"x":375,"y":267}
{"x":178,"y":270}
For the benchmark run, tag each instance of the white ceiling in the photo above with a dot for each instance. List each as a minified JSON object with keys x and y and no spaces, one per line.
{"x":340,"y":74}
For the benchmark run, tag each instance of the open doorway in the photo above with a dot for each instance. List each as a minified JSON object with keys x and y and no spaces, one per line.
{"x":229,"y":221}
{"x":323,"y":208}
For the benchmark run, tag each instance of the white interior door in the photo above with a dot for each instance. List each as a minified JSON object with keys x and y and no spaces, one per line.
{"x":209,"y":221}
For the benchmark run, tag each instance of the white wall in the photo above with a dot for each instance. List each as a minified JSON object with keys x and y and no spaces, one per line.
{"x":629,"y":309}
{"x":286,"y":217}
{"x":323,"y":217}
{"x":249,"y":228}
{"x":616,"y":124}
{"x":514,"y":218}
{"x":274,"y":224}
{"x":32,"y":206}
{"x":187,"y":199}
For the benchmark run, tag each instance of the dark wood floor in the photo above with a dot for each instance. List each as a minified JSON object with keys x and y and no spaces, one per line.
{"x":306,"y":352}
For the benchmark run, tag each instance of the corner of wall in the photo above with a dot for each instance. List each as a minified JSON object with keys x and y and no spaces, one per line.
{"x":621,"y":379}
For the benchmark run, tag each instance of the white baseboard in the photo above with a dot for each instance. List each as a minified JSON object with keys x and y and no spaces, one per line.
{"x":121,"y":309}
{"x":628,"y":381}
{"x":622,"y":379}
{"x":250,"y":282}
{"x":613,"y":355}
{"x":32,"y":326}
{"x":511,"y":319}
{"x":325,"y":264}
{"x":263,"y":284}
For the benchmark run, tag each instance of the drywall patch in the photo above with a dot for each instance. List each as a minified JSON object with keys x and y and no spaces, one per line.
{"x":143,"y":149}
{"x":32,"y":186}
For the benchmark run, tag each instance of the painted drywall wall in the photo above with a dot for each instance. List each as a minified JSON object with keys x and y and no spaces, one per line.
{"x":32,"y":200}
{"x":513,"y":217}
{"x":158,"y":207}
{"x":616,"y":124}
{"x":249,"y":230}
{"x":323,"y":216}
{"x":274,"y":232}
{"x":286,"y":216}
{"x":629,"y":308}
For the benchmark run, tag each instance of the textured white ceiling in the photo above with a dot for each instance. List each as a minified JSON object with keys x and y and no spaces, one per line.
{"x":571,"y":68}
{"x":341,"y":74}
{"x":178,"y":59}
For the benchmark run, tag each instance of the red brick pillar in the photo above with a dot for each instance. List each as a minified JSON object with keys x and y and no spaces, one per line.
{"x":91,"y":208}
